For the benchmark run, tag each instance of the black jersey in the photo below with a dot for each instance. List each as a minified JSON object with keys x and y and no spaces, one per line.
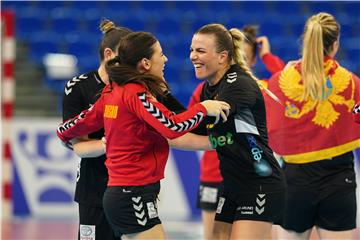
{"x":246,"y":161}
{"x":80,"y":93}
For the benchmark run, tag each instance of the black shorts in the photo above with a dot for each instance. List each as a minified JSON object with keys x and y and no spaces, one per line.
{"x":332,"y":209}
{"x":132,"y":209}
{"x":93,"y":224}
{"x":208,"y":195}
{"x":267,"y":207}
{"x":321,"y":194}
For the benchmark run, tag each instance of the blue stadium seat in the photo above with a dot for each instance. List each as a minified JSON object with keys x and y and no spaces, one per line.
{"x":253,"y":7}
{"x":80,"y":43}
{"x":49,"y":5}
{"x":55,"y":85}
{"x":286,"y":47}
{"x":88,"y":63}
{"x":168,"y":26}
{"x":65,"y":24}
{"x":29,"y":20}
{"x":171,"y":71}
{"x":199,"y":22}
{"x":42,"y":42}
{"x":75,"y":36}
{"x":323,"y":6}
{"x":353,"y":55}
{"x":168,"y":42}
{"x":91,"y":19}
{"x":346,"y":31}
{"x":158,"y":6}
{"x":128,"y":6}
{"x":237,"y":23}
{"x":182,"y":50}
{"x":83,"y":48}
{"x":272,"y":29}
{"x":350,"y":43}
{"x":82,"y":6}
{"x":288,"y":53}
{"x":174,"y":22}
{"x":297,"y":29}
{"x":134,"y":23}
{"x":184,"y":6}
{"x":220,"y":6}
{"x":352,"y":8}
{"x":348,"y":64}
{"x":260,"y":71}
{"x":15,"y":5}
{"x":64,"y":20}
{"x":286,"y":7}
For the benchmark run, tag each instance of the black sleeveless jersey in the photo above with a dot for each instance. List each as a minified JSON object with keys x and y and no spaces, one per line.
{"x":247,"y":163}
{"x":79,"y":94}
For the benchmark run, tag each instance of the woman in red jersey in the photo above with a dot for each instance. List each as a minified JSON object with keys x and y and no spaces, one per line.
{"x":315,"y":133}
{"x":136,"y":127}
{"x":210,"y":177}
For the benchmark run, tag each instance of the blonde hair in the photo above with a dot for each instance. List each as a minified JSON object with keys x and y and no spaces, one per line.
{"x":231,"y":41}
{"x":320,"y":32}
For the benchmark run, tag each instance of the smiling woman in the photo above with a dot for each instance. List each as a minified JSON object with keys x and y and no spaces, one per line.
{"x":253,"y":183}
{"x":136,"y":126}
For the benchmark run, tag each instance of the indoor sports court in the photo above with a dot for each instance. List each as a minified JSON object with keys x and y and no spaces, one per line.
{"x":44,"y":44}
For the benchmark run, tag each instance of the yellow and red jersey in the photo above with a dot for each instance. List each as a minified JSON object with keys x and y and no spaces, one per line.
{"x":312,"y":130}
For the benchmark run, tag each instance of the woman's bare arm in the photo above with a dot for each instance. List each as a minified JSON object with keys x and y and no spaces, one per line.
{"x":88,"y":148}
{"x":191,"y":141}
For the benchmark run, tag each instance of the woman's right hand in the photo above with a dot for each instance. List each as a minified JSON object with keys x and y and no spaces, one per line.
{"x":217,"y":109}
{"x":264,"y":45}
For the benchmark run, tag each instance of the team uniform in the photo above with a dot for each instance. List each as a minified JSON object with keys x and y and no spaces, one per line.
{"x":80,"y":93}
{"x":316,"y":140}
{"x":253,"y":181}
{"x":210,"y":178}
{"x":136,"y":127}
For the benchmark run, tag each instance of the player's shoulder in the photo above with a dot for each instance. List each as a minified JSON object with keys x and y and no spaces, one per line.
{"x":235,"y":76}
{"x":78,"y":81}
{"x":134,"y":88}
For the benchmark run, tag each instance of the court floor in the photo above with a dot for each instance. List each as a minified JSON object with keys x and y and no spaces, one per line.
{"x":51,"y":229}
{"x":61,"y":229}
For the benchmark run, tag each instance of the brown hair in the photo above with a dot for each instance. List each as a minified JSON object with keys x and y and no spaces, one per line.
{"x":111,"y":36}
{"x":231,"y":41}
{"x":132,"y":49}
{"x":320,"y":32}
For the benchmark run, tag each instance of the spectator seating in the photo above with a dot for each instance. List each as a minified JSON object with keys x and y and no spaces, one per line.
{"x":73,"y":27}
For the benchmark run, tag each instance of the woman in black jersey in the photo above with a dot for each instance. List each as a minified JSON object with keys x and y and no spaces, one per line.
{"x":254,"y":184}
{"x":79,"y":94}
